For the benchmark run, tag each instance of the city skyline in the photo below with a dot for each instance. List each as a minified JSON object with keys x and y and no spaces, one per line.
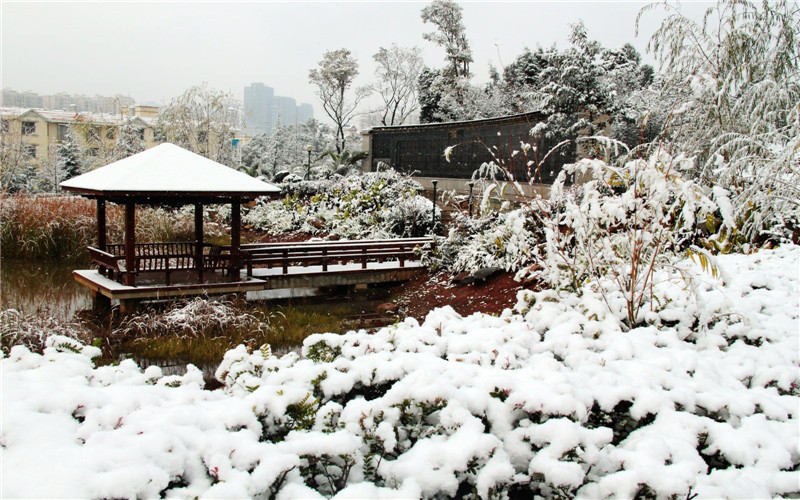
{"x":263,"y":109}
{"x":154,"y":51}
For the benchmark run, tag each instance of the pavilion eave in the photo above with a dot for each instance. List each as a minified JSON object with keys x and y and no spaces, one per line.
{"x":171,"y":197}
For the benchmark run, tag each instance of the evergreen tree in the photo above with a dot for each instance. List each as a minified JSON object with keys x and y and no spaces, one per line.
{"x":446,"y":94}
{"x":130,"y":140}
{"x":69,"y":157}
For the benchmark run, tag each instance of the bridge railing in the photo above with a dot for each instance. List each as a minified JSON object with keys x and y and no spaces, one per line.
{"x":310,"y":253}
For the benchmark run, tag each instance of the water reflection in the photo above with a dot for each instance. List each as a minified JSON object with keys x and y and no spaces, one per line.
{"x":42,"y":288}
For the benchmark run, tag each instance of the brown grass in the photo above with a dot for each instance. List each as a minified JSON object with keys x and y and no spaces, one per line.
{"x":49,"y":227}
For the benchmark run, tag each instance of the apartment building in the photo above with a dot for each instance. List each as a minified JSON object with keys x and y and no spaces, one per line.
{"x":37,"y":130}
{"x":62,"y":100}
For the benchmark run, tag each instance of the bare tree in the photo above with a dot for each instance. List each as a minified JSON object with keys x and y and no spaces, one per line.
{"x":202,"y":120}
{"x":333,"y":79}
{"x":397,"y":74}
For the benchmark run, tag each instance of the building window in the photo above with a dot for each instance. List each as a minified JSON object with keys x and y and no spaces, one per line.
{"x":141,"y":133}
{"x":28,"y":128}
{"x":29,"y":150}
{"x":111,"y":133}
{"x":4,"y":126}
{"x":63,"y":132}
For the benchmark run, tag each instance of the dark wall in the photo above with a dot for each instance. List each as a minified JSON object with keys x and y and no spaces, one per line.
{"x":419,"y":150}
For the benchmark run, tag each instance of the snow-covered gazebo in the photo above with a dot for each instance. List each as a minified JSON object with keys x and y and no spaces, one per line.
{"x":165,"y":175}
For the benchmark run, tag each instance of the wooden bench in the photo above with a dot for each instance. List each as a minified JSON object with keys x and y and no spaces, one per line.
{"x":333,"y":252}
{"x":110,"y":265}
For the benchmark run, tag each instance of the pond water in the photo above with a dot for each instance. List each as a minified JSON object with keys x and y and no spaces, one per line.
{"x":45,"y":288}
{"x":48,"y":289}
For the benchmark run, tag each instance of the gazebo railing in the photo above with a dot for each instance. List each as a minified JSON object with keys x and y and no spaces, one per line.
{"x":159,"y":257}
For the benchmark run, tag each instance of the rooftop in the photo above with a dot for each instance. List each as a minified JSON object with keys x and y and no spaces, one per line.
{"x":168,"y":171}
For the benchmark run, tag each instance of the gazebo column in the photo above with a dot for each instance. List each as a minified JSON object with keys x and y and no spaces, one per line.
{"x":101,"y":228}
{"x":101,"y":224}
{"x":198,"y":240}
{"x":236,"y":237}
{"x":130,"y":243}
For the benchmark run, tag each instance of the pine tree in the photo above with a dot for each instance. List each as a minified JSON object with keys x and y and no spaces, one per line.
{"x":130,"y":140}
{"x":69,"y":157}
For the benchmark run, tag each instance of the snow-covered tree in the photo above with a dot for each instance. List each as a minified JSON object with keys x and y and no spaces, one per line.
{"x":735,"y":78}
{"x":202,"y":120}
{"x":448,"y":94}
{"x":92,"y":141}
{"x":69,"y":154}
{"x":451,"y":35}
{"x":285,"y":149}
{"x":15,"y":159}
{"x":130,"y":140}
{"x":333,"y":80}
{"x":396,"y":82}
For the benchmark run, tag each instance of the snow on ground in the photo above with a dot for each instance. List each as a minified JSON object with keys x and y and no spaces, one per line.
{"x":554,"y":400}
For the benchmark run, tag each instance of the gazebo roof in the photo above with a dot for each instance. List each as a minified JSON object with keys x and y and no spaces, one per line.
{"x":168,"y":171}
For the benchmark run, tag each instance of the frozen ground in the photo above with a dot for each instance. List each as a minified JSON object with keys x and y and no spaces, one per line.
{"x":554,"y":399}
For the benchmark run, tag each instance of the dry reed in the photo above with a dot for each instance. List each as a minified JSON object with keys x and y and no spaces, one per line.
{"x":49,"y":227}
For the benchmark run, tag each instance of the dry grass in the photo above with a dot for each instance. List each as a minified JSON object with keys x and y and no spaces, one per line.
{"x":200,"y":331}
{"x":31,"y":330}
{"x":61,"y":227}
{"x":197,"y":331}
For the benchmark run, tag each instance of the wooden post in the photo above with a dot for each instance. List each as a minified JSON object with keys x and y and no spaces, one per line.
{"x":130,"y":243}
{"x":101,"y":224}
{"x":101,"y":228}
{"x":100,"y":303}
{"x":198,"y":240}
{"x":236,"y":237}
{"x":128,"y":306}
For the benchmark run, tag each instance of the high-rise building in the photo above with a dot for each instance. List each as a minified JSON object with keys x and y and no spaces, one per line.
{"x":285,"y":110}
{"x":258,"y":114}
{"x":305,"y":112}
{"x":263,"y":110}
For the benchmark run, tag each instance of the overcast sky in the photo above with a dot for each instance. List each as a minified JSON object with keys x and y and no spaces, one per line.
{"x":153,"y":51}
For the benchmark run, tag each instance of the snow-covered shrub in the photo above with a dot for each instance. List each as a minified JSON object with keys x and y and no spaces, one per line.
{"x":623,"y":224}
{"x":193,"y":318}
{"x":498,"y":239}
{"x":374,"y":205}
{"x":32,"y":330}
{"x":555,"y":400}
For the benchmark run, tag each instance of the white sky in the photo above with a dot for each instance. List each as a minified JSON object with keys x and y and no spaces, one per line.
{"x":153,"y":51}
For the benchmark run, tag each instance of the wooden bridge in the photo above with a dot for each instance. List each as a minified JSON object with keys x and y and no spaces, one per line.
{"x":164,"y":270}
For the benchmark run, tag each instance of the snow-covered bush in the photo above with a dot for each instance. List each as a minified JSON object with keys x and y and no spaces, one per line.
{"x":623,"y":224}
{"x":374,"y":205}
{"x":732,"y":83}
{"x":555,"y":401}
{"x":32,"y":330}
{"x":193,"y":318}
{"x":498,"y":239}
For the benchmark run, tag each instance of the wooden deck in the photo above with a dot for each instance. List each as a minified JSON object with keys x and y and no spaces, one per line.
{"x":273,"y":266}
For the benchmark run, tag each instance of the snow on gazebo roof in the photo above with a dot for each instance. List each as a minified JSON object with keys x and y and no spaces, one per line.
{"x":165,"y":171}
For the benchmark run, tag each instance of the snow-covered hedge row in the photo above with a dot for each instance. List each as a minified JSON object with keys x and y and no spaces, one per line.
{"x":374,"y":205}
{"x":555,"y":400}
